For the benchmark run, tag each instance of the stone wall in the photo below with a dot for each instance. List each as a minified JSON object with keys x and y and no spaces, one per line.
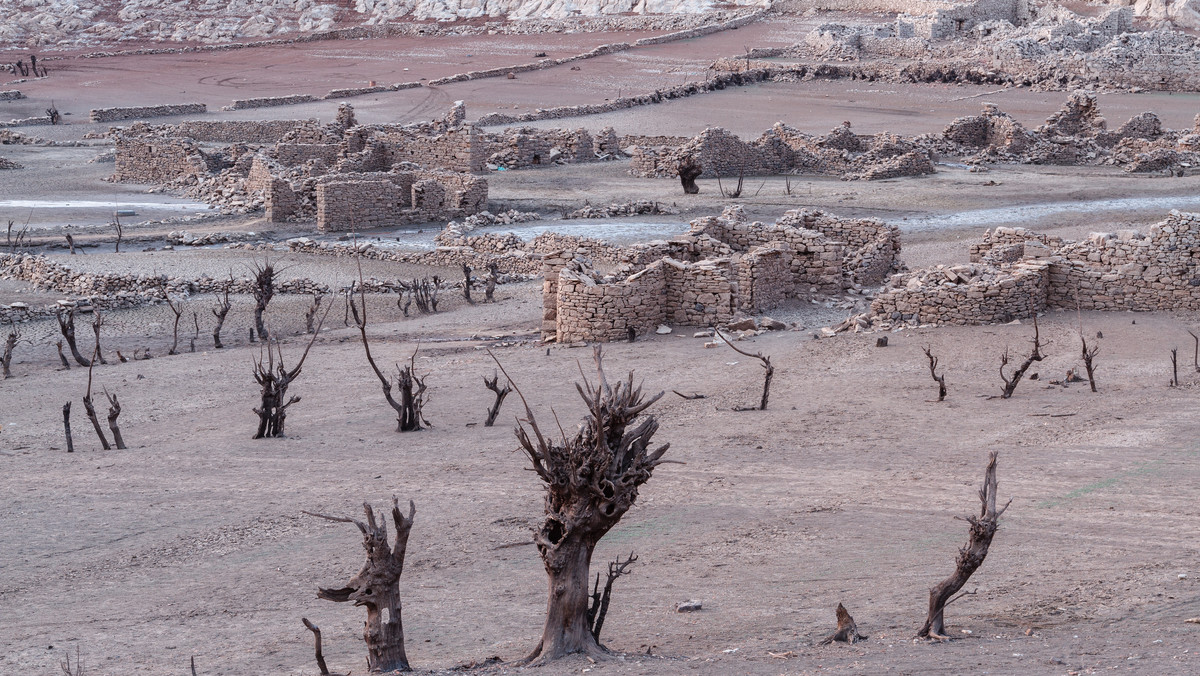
{"x":389,"y":199}
{"x":455,"y":149}
{"x":143,"y":112}
{"x":11,"y":95}
{"x":156,"y":159}
{"x":965,"y":294}
{"x":588,"y":310}
{"x":243,"y":131}
{"x":292,"y":154}
{"x":529,"y":146}
{"x":1131,"y":270}
{"x":764,"y":278}
{"x":1021,"y":271}
{"x":270,"y":101}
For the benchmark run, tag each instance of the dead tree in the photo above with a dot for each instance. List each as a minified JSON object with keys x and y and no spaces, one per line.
{"x":940,"y":380}
{"x":91,"y":412}
{"x":1089,"y":356}
{"x":409,"y":417}
{"x":769,"y":373}
{"x":598,"y":606}
{"x":736,"y":192}
{"x":97,"y":322}
{"x":424,"y":292}
{"x":689,"y":170}
{"x":1010,"y":383}
{"x":273,"y":380}
{"x":67,"y":427}
{"x":120,"y":230}
{"x":67,"y":328}
{"x":66,"y":365}
{"x":53,"y":114}
{"x":70,"y":243}
{"x":177,"y":310}
{"x":9,"y":344}
{"x":196,"y":324}
{"x":970,"y":557}
{"x":501,"y":393}
{"x":263,"y":291}
{"x":311,"y":313}
{"x":1174,"y":367}
{"x":591,"y":480}
{"x":317,"y":645}
{"x":467,"y":283}
{"x":1195,"y":351}
{"x":847,"y":629}
{"x":114,"y":411}
{"x":220,"y":311}
{"x":377,"y":586}
{"x":493,"y":277}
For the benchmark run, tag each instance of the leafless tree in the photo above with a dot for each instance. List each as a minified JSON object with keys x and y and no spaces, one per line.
{"x":409,"y":415}
{"x":1010,"y":383}
{"x":1195,"y":350}
{"x":67,"y":328}
{"x":424,"y":292}
{"x":176,"y":309}
{"x":768,"y":374}
{"x":9,"y":344}
{"x":940,"y":380}
{"x":13,"y":244}
{"x":689,"y":170}
{"x":264,"y":290}
{"x":311,"y":313}
{"x":66,"y":365}
{"x":466,"y":269}
{"x":501,"y":393}
{"x":317,"y":644}
{"x":492,"y":278}
{"x":220,"y":311}
{"x":273,"y":379}
{"x":377,"y":586}
{"x":91,"y":411}
{"x":736,"y":192}
{"x":66,"y":667}
{"x":970,"y":557}
{"x":847,"y":629}
{"x":598,"y":605}
{"x":97,"y":322}
{"x":67,"y":426}
{"x":1089,"y":356}
{"x":70,"y":243}
{"x":591,"y":480}
{"x":114,"y":411}
{"x":1174,"y":367}
{"x":120,"y":230}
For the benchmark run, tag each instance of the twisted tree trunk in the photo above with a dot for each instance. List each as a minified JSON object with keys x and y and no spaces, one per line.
{"x":377,"y":586}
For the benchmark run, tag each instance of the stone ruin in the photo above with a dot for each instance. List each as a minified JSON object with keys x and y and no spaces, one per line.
{"x":343,"y":175}
{"x":784,"y":150}
{"x":1076,"y":134}
{"x":724,"y":266}
{"x":1014,"y":272}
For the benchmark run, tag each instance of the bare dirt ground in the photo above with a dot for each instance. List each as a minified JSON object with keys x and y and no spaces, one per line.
{"x":192,"y":542}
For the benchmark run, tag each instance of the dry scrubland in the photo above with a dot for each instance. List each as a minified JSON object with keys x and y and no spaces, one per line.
{"x":193,"y":542}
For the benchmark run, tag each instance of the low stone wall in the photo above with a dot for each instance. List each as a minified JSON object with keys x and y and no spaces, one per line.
{"x":510,"y":263}
{"x":270,"y":101}
{"x":455,"y":149}
{"x":156,"y":159}
{"x":11,"y":95}
{"x":243,"y":131}
{"x":1131,"y":270}
{"x":606,"y":312}
{"x":1008,"y":245}
{"x":764,"y":278}
{"x":292,"y":154}
{"x":143,"y":112}
{"x":965,"y":294}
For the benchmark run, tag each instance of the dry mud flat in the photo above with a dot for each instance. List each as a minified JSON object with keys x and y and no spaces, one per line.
{"x":192,"y":542}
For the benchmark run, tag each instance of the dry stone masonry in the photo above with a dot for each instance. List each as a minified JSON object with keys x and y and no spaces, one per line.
{"x":143,"y":112}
